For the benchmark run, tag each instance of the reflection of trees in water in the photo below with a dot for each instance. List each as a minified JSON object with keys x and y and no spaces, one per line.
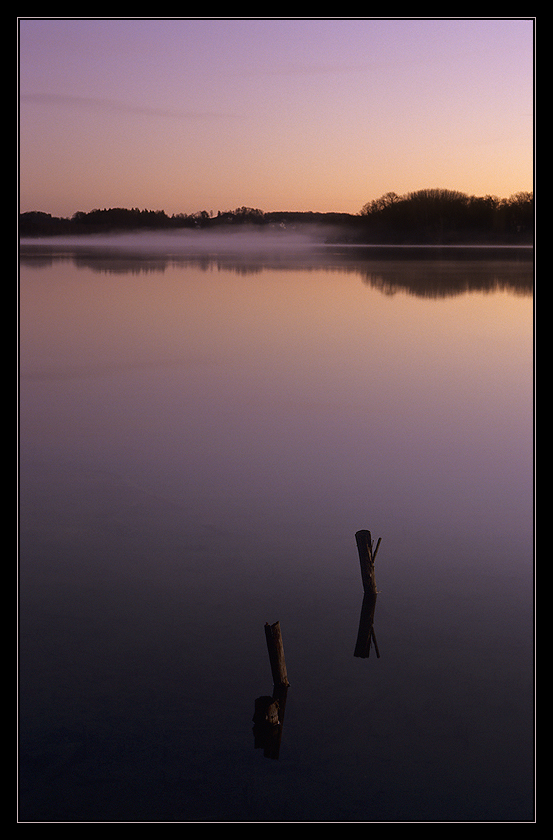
{"x":450,"y":279}
{"x":423,"y":272}
{"x":98,"y":263}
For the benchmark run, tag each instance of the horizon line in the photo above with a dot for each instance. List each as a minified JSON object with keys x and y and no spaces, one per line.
{"x":258,"y":209}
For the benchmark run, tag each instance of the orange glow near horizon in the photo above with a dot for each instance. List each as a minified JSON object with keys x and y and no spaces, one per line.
{"x":324,"y":115}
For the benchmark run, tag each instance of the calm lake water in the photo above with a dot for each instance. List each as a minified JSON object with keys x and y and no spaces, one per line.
{"x":201,"y":435}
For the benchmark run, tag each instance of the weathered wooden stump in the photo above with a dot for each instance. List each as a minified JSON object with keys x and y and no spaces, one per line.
{"x":276,"y":654}
{"x":367,"y":556}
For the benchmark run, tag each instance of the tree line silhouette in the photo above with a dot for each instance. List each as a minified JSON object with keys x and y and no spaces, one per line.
{"x":429,"y":216}
{"x":448,"y":216}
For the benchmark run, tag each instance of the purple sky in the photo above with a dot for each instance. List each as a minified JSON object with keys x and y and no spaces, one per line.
{"x":316,"y":114}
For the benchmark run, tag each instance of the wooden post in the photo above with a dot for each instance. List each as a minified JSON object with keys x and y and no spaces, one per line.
{"x":367,"y":555}
{"x":276,"y":654}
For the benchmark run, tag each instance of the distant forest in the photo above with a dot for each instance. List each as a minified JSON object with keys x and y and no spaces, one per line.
{"x":430,"y":216}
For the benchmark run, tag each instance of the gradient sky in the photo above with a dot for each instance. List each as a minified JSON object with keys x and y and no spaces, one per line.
{"x":315,"y":114}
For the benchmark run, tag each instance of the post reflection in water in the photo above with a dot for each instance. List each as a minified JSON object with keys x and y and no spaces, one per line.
{"x":366,"y":636}
{"x":269,"y":710}
{"x":269,"y":721}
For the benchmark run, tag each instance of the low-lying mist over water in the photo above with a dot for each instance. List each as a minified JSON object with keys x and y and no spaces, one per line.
{"x":244,"y":239}
{"x":433,"y":270}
